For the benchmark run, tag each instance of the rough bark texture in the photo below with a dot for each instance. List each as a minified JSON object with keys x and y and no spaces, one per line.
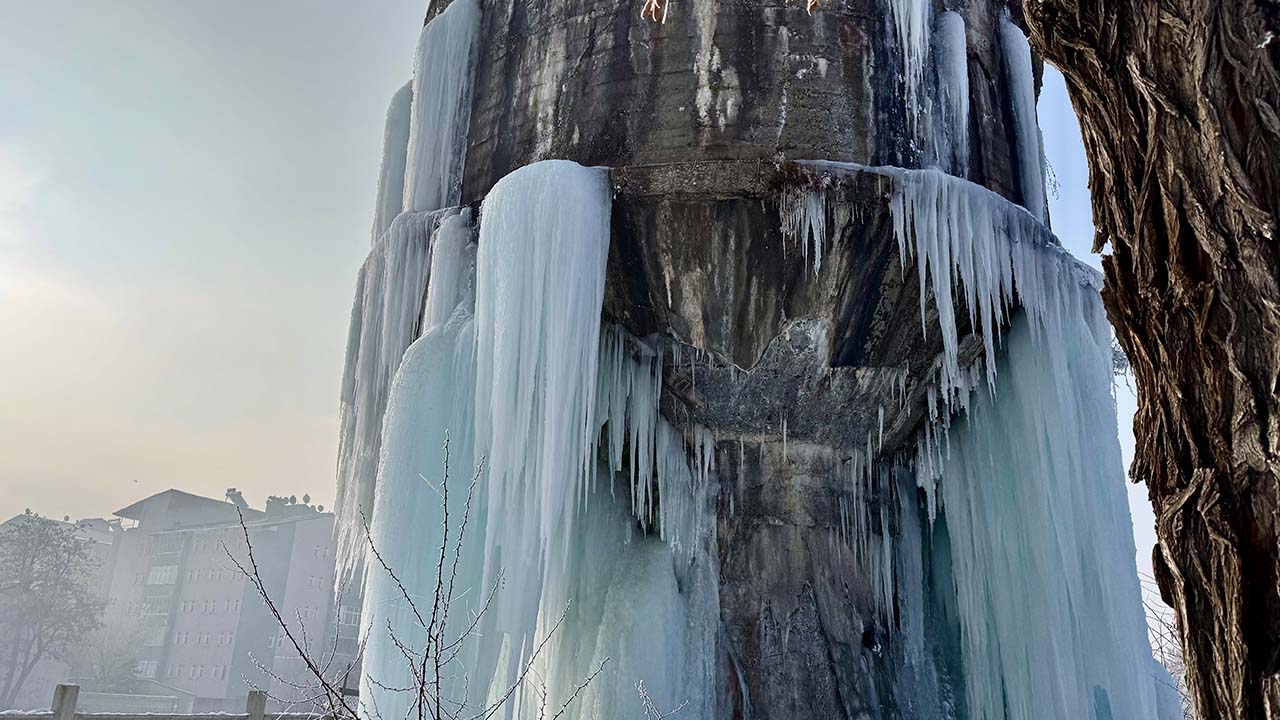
{"x":1179,"y":102}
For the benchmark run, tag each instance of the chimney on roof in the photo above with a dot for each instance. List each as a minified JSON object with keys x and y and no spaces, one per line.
{"x":235,"y":497}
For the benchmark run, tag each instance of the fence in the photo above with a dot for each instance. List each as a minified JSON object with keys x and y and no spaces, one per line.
{"x":64,"y":708}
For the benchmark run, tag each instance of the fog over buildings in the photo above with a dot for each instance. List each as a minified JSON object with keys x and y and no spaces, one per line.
{"x":169,"y":567}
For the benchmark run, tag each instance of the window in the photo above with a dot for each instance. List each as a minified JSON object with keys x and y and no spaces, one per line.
{"x":147,"y":668}
{"x":271,"y":640}
{"x":348,"y":616}
{"x":163,"y":575}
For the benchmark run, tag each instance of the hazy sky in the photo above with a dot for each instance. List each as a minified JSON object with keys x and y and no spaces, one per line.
{"x":186,"y":190}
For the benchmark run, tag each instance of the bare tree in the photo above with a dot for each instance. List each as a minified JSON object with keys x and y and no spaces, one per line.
{"x":439,"y":683}
{"x":46,"y":600}
{"x":1166,"y":644}
{"x":1179,"y":106}
{"x":110,"y":656}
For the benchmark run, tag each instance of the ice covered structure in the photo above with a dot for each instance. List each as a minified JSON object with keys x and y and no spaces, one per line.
{"x":762,"y":435}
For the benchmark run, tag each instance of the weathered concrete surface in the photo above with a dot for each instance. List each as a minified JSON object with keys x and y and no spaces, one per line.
{"x":590,"y":81}
{"x":790,"y":369}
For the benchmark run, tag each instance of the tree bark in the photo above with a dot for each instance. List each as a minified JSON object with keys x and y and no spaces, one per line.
{"x":1179,"y":104}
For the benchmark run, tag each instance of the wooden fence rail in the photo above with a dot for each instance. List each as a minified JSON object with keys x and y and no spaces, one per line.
{"x":64,"y":708}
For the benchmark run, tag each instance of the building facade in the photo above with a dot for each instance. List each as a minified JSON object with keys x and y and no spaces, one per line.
{"x":178,"y":573}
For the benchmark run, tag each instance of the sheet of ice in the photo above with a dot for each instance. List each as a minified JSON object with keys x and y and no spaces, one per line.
{"x":430,"y":398}
{"x":1042,"y":545}
{"x":452,"y":268}
{"x":1022,"y":93}
{"x":384,"y":320}
{"x":443,"y":70}
{"x":951,"y":64}
{"x":544,"y":239}
{"x":395,"y":144}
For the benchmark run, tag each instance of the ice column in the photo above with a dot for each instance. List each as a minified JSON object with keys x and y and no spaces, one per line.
{"x":1022,"y":92}
{"x":951,"y":62}
{"x":442,"y":75}
{"x":395,"y":143}
{"x":544,"y":239}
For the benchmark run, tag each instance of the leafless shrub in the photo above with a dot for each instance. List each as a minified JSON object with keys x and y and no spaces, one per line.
{"x":433,"y":668}
{"x":1166,"y":643}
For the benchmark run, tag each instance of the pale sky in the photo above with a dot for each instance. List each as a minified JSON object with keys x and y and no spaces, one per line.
{"x":186,"y":190}
{"x":1072,"y":218}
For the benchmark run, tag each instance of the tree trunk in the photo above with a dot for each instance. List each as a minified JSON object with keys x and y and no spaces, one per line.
{"x":1179,"y":103}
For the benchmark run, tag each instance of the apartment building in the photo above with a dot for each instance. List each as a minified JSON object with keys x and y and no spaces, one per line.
{"x":179,"y":578}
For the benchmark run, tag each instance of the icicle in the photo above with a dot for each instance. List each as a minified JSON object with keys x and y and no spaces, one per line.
{"x":911,"y":21}
{"x":395,"y":145}
{"x":442,"y":76}
{"x":803,"y":213}
{"x":951,"y":60}
{"x":1022,"y":93}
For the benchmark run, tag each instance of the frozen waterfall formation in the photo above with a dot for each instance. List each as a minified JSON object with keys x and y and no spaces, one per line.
{"x":788,"y":402}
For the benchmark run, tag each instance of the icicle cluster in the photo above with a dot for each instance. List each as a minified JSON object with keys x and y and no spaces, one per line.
{"x":1038,"y":531}
{"x":804,"y":222}
{"x":911,"y":21}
